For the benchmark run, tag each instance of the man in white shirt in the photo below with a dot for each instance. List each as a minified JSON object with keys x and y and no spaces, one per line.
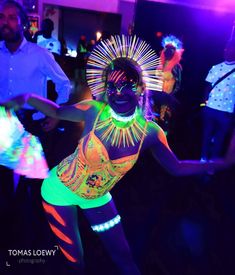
{"x":45,"y":39}
{"x":218,"y":113}
{"x":25,"y":67}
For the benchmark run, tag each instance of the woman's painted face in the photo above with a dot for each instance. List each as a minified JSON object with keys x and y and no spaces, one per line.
{"x":122,"y":93}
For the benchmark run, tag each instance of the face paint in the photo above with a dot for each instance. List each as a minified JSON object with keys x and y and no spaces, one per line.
{"x":122,"y":93}
{"x":132,"y":51}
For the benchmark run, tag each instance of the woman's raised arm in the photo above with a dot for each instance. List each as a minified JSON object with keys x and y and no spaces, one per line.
{"x":49,"y":108}
{"x":174,"y":166}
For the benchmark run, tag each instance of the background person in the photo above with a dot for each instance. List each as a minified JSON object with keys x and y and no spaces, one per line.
{"x":164,"y":103}
{"x":45,"y":39}
{"x":218,"y":115}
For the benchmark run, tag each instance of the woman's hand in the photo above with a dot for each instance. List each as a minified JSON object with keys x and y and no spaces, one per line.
{"x":16,"y":102}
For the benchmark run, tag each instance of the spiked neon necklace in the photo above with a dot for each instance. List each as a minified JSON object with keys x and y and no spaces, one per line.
{"x":121,"y":133}
{"x":123,"y":118}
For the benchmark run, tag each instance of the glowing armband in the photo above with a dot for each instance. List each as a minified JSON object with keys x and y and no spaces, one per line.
{"x":107,"y":225}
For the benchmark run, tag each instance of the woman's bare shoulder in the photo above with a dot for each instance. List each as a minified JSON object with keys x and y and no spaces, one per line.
{"x":153,"y":128}
{"x":155,"y":134}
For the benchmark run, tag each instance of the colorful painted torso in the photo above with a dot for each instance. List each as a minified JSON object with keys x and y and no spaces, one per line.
{"x":89,"y":172}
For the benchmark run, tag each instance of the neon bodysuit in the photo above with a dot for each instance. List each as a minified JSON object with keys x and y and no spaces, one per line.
{"x":89,"y":172}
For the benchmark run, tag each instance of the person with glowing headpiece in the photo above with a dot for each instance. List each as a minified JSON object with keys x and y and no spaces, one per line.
{"x":115,"y":133}
{"x":171,"y":68}
{"x":170,"y":59}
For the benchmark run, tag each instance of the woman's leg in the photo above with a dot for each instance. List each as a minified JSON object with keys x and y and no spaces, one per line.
{"x":105,"y":221}
{"x":63,"y":223}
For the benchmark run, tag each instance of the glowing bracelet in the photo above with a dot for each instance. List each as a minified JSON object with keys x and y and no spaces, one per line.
{"x":106,"y":225}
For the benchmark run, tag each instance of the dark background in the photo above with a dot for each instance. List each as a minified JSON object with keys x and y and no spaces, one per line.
{"x":77,"y":22}
{"x":203,"y":32}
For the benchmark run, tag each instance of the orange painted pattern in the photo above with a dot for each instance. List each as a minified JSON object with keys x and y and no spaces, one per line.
{"x":89,"y":172}
{"x":51,"y":210}
{"x":67,"y":255}
{"x":83,"y":107}
{"x":60,"y":234}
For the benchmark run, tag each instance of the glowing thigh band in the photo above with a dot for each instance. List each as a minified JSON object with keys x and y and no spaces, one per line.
{"x":106,"y":225}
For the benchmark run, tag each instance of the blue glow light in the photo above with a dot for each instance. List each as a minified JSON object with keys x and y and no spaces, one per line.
{"x":172,"y":40}
{"x":107,"y":225}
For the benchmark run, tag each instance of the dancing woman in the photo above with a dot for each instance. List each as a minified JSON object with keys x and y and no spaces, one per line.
{"x":115,"y":133}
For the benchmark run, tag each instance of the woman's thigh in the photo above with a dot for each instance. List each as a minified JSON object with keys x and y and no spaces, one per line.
{"x":64,"y":224}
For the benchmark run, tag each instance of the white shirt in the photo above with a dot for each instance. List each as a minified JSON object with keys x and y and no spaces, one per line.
{"x":27,"y":70}
{"x":53,"y":45}
{"x":222,"y":96}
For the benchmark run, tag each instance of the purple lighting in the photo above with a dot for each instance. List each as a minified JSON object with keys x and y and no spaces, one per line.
{"x":217,"y":5}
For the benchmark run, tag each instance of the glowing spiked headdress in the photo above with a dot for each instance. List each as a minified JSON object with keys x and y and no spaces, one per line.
{"x":172,"y":40}
{"x":129,"y":47}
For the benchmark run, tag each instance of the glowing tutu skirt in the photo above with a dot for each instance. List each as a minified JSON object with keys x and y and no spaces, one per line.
{"x":20,"y":150}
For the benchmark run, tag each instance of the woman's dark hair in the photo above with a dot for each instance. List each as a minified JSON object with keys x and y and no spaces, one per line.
{"x":131,"y":69}
{"x":22,"y":13}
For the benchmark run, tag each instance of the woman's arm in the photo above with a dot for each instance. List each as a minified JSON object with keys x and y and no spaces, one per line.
{"x":169,"y":161}
{"x":49,"y":108}
{"x":43,"y":105}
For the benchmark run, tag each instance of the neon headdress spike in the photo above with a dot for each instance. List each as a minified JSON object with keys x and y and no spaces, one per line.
{"x":172,"y":40}
{"x":130,"y":47}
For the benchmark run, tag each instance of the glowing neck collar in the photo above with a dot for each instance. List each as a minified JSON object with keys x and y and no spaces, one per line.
{"x":123,"y":118}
